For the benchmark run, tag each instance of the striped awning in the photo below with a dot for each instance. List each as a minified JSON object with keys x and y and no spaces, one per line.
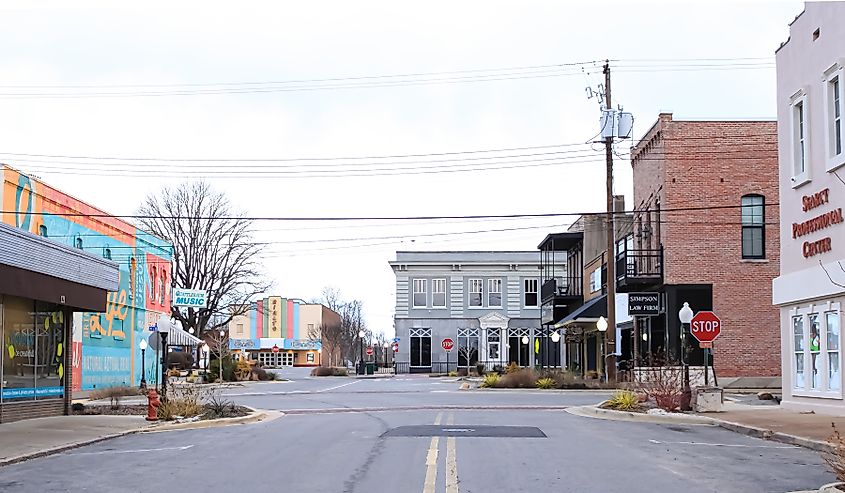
{"x":179,"y":337}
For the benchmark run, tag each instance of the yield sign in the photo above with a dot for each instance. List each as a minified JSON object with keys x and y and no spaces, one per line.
{"x":705,"y":326}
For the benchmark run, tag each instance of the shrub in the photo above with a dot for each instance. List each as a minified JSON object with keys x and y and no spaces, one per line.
{"x":520,"y":379}
{"x":340,"y":372}
{"x":262,"y":374}
{"x":114,"y":394}
{"x":453,"y":374}
{"x":174,"y":372}
{"x":512,"y":368}
{"x":479,"y":369}
{"x":835,"y":458}
{"x":665,"y":386}
{"x":462,"y":372}
{"x":545,"y":383}
{"x":491,"y":380}
{"x":322,"y":371}
{"x":182,"y":401}
{"x":243,"y":370}
{"x":624,"y":400}
{"x":182,"y":360}
{"x":217,"y":407}
{"x":228,"y":369}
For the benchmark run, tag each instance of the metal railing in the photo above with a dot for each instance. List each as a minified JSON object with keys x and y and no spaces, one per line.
{"x":560,"y":286}
{"x":635,"y":264}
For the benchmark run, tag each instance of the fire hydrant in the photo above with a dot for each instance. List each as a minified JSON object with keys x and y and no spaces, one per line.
{"x":153,"y":404}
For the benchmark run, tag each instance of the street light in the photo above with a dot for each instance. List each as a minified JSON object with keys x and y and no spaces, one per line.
{"x":143,"y":346}
{"x":361,"y":335}
{"x":556,"y":339}
{"x":164,"y":326}
{"x":685,"y":316}
{"x":601,"y":324}
{"x":220,"y":354}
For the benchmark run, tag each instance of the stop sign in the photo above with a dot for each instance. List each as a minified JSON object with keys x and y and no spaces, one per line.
{"x":275,"y":348}
{"x":705,"y":326}
{"x":369,"y":350}
{"x":447,"y":344}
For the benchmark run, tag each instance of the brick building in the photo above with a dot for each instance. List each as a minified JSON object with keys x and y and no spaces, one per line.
{"x":705,"y":232}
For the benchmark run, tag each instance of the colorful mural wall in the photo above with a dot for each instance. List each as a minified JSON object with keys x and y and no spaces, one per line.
{"x":105,"y":345}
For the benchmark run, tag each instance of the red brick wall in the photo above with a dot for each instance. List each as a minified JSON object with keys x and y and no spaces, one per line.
{"x":709,"y":164}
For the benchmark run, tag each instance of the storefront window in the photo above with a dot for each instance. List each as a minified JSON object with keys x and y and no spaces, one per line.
{"x":834,"y":381}
{"x":32,"y":334}
{"x":798,"y":336}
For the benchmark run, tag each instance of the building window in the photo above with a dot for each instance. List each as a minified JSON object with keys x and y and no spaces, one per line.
{"x":107,"y":253}
{"x":420,"y":347}
{"x":753,"y":227}
{"x":816,"y":366}
{"x":798,"y":348}
{"x":467,"y":347}
{"x":239,"y":330}
{"x":494,"y":292}
{"x":799,"y":139}
{"x":153,"y":281}
{"x":835,"y":134}
{"x":42,"y":231}
{"x":438,"y":293}
{"x":162,"y":286}
{"x":419,"y":293}
{"x":78,"y":243}
{"x":530,"y":287}
{"x":595,"y":280}
{"x":476,"y":287}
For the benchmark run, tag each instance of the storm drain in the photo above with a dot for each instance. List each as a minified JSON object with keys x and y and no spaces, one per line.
{"x":476,"y":431}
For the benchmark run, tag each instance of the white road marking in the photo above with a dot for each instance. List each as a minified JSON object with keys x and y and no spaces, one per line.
{"x":457,"y":430}
{"x":337,"y":386}
{"x":658,"y":442}
{"x":452,"y":457}
{"x":186,"y":447}
{"x":439,"y":391}
{"x":431,"y":461}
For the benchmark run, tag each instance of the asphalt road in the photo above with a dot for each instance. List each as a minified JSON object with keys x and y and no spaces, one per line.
{"x":417,"y":434}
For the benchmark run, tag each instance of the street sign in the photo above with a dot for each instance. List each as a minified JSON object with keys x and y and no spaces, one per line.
{"x":194,"y":298}
{"x":447,"y":344}
{"x":705,"y":326}
{"x":369,"y":350}
{"x":396,"y":340}
{"x":154,"y":328}
{"x":705,"y":345}
{"x":275,"y":348}
{"x":643,"y":304}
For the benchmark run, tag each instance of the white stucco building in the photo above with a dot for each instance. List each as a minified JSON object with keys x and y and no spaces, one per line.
{"x":810,"y":290}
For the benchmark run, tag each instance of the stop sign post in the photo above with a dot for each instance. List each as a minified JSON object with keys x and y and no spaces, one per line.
{"x":706,"y":327}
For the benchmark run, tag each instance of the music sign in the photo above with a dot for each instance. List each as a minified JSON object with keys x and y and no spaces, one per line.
{"x":195,"y":298}
{"x":643,"y":303}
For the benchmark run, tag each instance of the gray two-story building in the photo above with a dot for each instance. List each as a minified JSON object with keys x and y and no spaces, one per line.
{"x":488,"y":303}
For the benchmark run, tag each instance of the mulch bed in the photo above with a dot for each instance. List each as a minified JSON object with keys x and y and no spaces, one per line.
{"x":141,"y":410}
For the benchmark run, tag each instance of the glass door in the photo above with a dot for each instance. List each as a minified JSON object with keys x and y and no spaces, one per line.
{"x":287,"y":359}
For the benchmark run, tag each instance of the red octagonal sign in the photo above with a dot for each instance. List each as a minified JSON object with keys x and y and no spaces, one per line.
{"x":447,"y":344}
{"x":705,"y":326}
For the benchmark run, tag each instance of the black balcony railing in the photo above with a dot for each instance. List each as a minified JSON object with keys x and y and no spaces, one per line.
{"x":639,"y":267}
{"x":560,"y":287}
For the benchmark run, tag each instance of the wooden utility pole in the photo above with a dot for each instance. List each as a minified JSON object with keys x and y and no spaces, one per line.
{"x":610,"y":335}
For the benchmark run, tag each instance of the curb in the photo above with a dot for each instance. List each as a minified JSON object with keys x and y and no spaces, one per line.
{"x":775,"y":436}
{"x":254,"y":417}
{"x":66,"y":447}
{"x":372,"y":377}
{"x":598,"y":413}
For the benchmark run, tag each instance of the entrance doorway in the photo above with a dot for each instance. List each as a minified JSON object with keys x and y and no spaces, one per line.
{"x":287,"y":359}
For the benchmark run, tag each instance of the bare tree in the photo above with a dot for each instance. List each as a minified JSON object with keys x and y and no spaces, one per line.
{"x":330,"y":335}
{"x":219,"y":346}
{"x":213,"y":250}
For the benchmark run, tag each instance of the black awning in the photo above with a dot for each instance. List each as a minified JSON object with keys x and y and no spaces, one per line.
{"x":589,"y":312}
{"x":561,"y":242}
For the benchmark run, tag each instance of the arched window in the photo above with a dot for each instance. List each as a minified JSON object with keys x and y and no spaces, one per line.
{"x":79,"y":243}
{"x":107,"y":253}
{"x":42,"y":231}
{"x":162,"y":286}
{"x":153,"y":281}
{"x":753,"y":227}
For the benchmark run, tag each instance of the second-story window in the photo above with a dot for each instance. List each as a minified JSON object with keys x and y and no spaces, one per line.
{"x":162,"y":286}
{"x":419,"y":293}
{"x":107,"y":253}
{"x":42,"y":231}
{"x":494,"y":292}
{"x":799,"y":136}
{"x":78,"y":243}
{"x":753,"y":227}
{"x":530,"y":287}
{"x":835,"y":88}
{"x":476,"y":290}
{"x":438,"y":293}
{"x":153,"y":282}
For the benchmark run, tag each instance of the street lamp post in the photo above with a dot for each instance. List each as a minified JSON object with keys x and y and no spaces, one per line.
{"x":220,"y":354}
{"x":601,"y":324}
{"x":555,"y":340}
{"x":361,"y":334}
{"x":386,"y":346}
{"x":685,"y":316}
{"x":163,"y":331}
{"x":143,"y":346}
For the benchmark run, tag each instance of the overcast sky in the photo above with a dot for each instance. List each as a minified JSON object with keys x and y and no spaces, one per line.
{"x":535,"y":98}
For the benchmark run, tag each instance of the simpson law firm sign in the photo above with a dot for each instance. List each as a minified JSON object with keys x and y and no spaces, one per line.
{"x":195,"y":298}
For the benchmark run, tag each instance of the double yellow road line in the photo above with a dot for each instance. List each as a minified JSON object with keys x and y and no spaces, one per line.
{"x":451,"y":460}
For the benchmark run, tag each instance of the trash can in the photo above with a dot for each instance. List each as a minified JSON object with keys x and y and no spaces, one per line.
{"x":371,"y":368}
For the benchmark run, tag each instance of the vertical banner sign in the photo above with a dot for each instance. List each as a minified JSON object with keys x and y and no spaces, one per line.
{"x":275,"y":317}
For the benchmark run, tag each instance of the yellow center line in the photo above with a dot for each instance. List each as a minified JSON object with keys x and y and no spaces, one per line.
{"x":431,"y":461}
{"x":451,"y":461}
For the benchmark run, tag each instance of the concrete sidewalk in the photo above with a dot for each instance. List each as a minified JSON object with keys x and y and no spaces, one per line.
{"x":37,"y":437}
{"x":772,"y":422}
